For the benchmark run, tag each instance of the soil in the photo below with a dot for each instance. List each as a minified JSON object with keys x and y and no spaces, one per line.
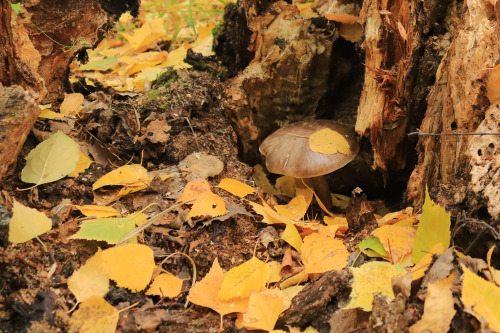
{"x":115,"y":129}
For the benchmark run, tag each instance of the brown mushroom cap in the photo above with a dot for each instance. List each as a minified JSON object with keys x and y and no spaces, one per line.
{"x":287,"y":150}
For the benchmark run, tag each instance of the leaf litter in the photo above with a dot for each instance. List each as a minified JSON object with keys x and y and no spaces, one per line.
{"x":263,"y":282}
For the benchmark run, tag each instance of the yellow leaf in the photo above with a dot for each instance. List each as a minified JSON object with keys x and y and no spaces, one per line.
{"x":321,"y":253}
{"x":275,"y":271}
{"x":292,"y":237}
{"x":264,"y":308}
{"x":124,"y":175}
{"x":97,"y":211}
{"x":397,"y":240}
{"x":275,"y":215}
{"x":337,"y":224}
{"x":51,"y":160}
{"x":194,"y":189}
{"x":241,"y":280}
{"x":205,"y":40}
{"x":204,"y":293}
{"x":482,"y":299}
{"x":300,"y":277}
{"x":83,"y":163}
{"x":94,"y":315}
{"x":130,"y":266}
{"x":165,"y":285}
{"x":259,"y":209}
{"x":438,"y":308}
{"x":434,"y":228}
{"x":236,"y":187}
{"x":293,"y":291}
{"x":146,"y":36}
{"x":260,"y":179}
{"x":327,"y":141}
{"x":140,"y":185}
{"x":373,"y":277}
{"x":49,"y":114}
{"x":27,"y":223}
{"x":72,"y":104}
{"x":208,"y":204}
{"x":295,"y":209}
{"x":90,"y":280}
{"x":495,"y":273}
{"x":286,"y":186}
{"x":418,"y":271}
{"x":176,"y":59}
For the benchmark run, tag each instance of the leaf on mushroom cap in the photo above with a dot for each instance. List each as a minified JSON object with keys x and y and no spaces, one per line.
{"x":287,"y":150}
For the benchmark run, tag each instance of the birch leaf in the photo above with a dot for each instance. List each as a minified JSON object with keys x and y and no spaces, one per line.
{"x":51,"y":160}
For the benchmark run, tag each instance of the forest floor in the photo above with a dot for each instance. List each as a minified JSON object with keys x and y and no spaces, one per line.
{"x":354,"y":270}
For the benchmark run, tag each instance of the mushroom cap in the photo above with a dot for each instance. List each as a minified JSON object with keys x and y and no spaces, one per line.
{"x":287,"y":150}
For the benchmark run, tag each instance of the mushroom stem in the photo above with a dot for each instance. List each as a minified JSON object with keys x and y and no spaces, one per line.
{"x":320,"y":186}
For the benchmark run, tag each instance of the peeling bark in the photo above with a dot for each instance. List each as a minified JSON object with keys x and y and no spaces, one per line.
{"x":457,"y":102}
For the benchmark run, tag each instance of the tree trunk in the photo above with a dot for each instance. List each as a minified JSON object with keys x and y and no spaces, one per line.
{"x":37,"y":45}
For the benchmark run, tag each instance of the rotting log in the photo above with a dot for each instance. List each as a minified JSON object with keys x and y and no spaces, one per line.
{"x":37,"y":45}
{"x":286,"y":78}
{"x":457,"y":103}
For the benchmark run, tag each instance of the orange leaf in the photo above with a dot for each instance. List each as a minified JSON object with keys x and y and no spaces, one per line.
{"x":165,"y":285}
{"x":342,"y":18}
{"x":493,"y":85}
{"x":130,"y":266}
{"x":204,"y":293}
{"x":295,"y":209}
{"x":241,"y":280}
{"x":83,"y":163}
{"x":94,"y":315}
{"x":97,"y":210}
{"x":194,"y":189}
{"x":208,"y":204}
{"x":321,"y":253}
{"x":72,"y":104}
{"x":397,"y":241}
{"x":264,"y":309}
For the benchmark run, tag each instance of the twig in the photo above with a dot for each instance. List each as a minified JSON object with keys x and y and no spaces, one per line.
{"x":143,"y":226}
{"x":420,"y":133}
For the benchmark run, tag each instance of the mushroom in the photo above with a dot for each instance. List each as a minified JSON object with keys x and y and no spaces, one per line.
{"x":287,"y":153}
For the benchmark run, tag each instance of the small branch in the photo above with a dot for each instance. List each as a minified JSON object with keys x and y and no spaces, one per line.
{"x":420,"y":133}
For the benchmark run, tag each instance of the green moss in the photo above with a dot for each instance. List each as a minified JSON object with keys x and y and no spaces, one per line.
{"x":166,"y":77}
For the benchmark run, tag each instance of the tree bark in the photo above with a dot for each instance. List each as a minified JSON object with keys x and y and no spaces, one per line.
{"x":37,"y":45}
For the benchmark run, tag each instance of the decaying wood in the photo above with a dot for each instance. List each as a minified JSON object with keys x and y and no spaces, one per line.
{"x":37,"y":46}
{"x":402,"y":53}
{"x":458,"y":102}
{"x":18,"y":113}
{"x":286,"y":78}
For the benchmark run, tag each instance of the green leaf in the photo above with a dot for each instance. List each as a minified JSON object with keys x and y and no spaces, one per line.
{"x":16,"y":7}
{"x":51,"y":160}
{"x":110,"y":230}
{"x":373,"y":247}
{"x":433,"y":228}
{"x":99,"y":65}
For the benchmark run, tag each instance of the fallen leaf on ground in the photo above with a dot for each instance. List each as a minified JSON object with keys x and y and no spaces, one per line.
{"x":51,"y":160}
{"x":208,"y":204}
{"x":295,"y":209}
{"x":205,"y":293}
{"x":165,"y":285}
{"x":97,"y":210}
{"x":130,"y":266}
{"x":90,"y":280}
{"x":236,"y":187}
{"x":264,"y":308}
{"x":434,"y":228}
{"x":27,"y":223}
{"x":397,"y":241}
{"x":438,"y":308}
{"x":292,"y":237}
{"x":109,"y":229}
{"x":239,"y":281}
{"x":194,"y":189}
{"x":94,"y":315}
{"x":370,"y":278}
{"x":72,"y":104}
{"x":321,"y":253}
{"x":482,"y":299}
{"x":124,"y":175}
{"x":83,"y":163}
